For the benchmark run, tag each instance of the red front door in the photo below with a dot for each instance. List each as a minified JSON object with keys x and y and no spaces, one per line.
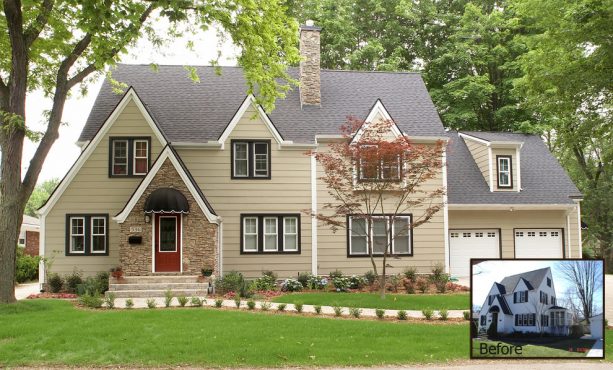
{"x":167,"y":242}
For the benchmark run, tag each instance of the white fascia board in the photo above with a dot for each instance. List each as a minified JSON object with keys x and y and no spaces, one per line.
{"x":510,"y":207}
{"x":378,"y":108}
{"x":473,"y":138}
{"x":166,"y":154}
{"x":129,"y":96}
{"x":250,"y":101}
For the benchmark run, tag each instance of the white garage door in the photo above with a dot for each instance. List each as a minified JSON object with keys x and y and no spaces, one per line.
{"x":538,"y":243}
{"x":467,"y":244}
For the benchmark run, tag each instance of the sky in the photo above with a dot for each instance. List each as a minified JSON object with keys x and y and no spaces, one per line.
{"x":65,"y":152}
{"x":488,"y":272}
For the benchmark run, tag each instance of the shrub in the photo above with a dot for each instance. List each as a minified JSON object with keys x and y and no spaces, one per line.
{"x":336,"y":274}
{"x":357,"y":282}
{"x":197,"y":302}
{"x":168,"y":296}
{"x":98,"y":283}
{"x":102,"y":278}
{"x":291,"y":285}
{"x":129,"y":303}
{"x":218,"y":303}
{"x":316,"y":282}
{"x":251,"y":304}
{"x":298,"y":307}
{"x":466,"y":315}
{"x":355,"y":312}
{"x":265,"y":282}
{"x":265,"y":306}
{"x":237,"y":301}
{"x":271,"y":274}
{"x":73,"y":280}
{"x":428,"y":313}
{"x":91,"y":300}
{"x":341,"y":284}
{"x":317,"y":309}
{"x":438,"y":270}
{"x":109,"y":300}
{"x":281,"y":307}
{"x":303,"y":278}
{"x":443,"y":313}
{"x":394,"y":281}
{"x":576,"y":331}
{"x":370,"y":277}
{"x":338,"y":311}
{"x":55,"y":283}
{"x":410,"y":273}
{"x":441,"y":283}
{"x":151,"y":303}
{"x":26,"y":267}
{"x":182,"y":300}
{"x":422,"y":285}
{"x":401,"y":315}
{"x":231,"y":282}
{"x":380,"y":313}
{"x":409,"y":286}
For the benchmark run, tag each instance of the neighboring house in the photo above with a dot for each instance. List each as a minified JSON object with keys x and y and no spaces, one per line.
{"x":524,"y":303}
{"x":176,"y":175}
{"x":596,"y":326}
{"x":29,"y":235}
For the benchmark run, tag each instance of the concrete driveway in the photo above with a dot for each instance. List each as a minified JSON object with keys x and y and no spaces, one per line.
{"x":608,"y":298}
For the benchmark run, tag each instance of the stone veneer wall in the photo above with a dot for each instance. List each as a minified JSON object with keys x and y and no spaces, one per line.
{"x":310,"y":84}
{"x":199,"y":239}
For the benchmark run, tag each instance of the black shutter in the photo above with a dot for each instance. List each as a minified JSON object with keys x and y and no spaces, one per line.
{"x":515,"y":301}
{"x":516,"y":320}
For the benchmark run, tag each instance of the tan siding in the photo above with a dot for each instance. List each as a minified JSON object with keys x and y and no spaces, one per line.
{"x":507,"y":221}
{"x":480,"y":154}
{"x":288,"y":191}
{"x":513,"y":155}
{"x":92,"y":191}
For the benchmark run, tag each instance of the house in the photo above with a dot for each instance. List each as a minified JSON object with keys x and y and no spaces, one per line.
{"x":176,"y":175}
{"x":524,"y":303}
{"x":29,"y":235}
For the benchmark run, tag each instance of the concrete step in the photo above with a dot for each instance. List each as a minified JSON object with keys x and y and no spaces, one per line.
{"x":158,"y":293}
{"x":158,"y":286}
{"x":157,"y":279}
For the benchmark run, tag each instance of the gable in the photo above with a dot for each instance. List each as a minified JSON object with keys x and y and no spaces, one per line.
{"x":378,"y":114}
{"x":90,"y":171}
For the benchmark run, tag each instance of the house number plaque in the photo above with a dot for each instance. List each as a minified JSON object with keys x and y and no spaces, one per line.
{"x":136,"y":229}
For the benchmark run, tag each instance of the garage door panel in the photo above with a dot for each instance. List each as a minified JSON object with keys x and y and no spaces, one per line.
{"x":467,"y":244}
{"x":538,"y":243}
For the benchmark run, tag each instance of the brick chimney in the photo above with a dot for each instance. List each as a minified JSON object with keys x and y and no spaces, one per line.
{"x":310,"y":85}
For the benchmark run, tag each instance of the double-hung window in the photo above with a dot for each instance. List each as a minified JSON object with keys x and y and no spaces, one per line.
{"x":87,"y":234}
{"x":382,"y":233}
{"x":270,"y":233}
{"x":251,"y":159}
{"x":505,"y":178}
{"x":374,"y":166}
{"x":129,"y":156}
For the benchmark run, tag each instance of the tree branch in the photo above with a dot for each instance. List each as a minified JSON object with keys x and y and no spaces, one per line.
{"x":34,"y":30}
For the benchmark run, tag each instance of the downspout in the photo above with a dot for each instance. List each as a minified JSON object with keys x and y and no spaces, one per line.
{"x":445,"y":211}
{"x":220,"y":246}
{"x":41,"y":253}
{"x":568,"y":243}
{"x":313,"y":219}
{"x":579,"y":229}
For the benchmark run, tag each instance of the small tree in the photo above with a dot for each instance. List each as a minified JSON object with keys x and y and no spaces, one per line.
{"x":585,"y":278}
{"x":370,"y":173}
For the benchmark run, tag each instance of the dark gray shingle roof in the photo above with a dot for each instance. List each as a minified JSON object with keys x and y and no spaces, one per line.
{"x":503,"y":303}
{"x":534,"y":277}
{"x":199,"y":112}
{"x":543,"y":180}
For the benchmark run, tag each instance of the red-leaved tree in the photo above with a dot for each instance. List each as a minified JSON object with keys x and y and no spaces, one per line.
{"x":382,"y":180}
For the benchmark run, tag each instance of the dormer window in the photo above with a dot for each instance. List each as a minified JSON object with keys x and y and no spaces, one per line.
{"x":129,"y":156}
{"x":372,"y":166}
{"x":505,"y":177}
{"x":250,"y":159}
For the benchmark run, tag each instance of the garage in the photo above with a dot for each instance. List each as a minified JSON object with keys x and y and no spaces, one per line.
{"x":539,"y":243}
{"x":471,"y":243}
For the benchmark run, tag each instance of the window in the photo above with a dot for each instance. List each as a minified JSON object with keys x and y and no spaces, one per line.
{"x":554,"y":233}
{"x":544,"y":297}
{"x":504,"y":171}
{"x":129,"y":156}
{"x":520,"y":297}
{"x":87,"y":234}
{"x":377,"y":167}
{"x":531,"y":233}
{"x":483,"y":318}
{"x":479,"y":235}
{"x":250,"y":159}
{"x":490,"y":299}
{"x":270,"y":233}
{"x":542,"y":233}
{"x":466,"y":235}
{"x":168,"y":234}
{"x":553,"y":301}
{"x":455,"y":235}
{"x":519,"y":234}
{"x":386,"y":232}
{"x":491,"y":235}
{"x":531,"y":318}
{"x":549,"y":282}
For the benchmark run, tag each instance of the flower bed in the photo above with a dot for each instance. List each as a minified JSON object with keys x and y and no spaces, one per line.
{"x":53,"y":295}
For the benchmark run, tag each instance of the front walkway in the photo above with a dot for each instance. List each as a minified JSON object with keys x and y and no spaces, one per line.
{"x":596,"y":350}
{"x":22,"y":291}
{"x":326,"y":310}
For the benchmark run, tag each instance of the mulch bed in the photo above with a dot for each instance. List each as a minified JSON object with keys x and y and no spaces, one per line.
{"x":47,"y":295}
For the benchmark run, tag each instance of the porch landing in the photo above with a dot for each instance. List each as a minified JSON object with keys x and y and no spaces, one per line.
{"x":157,"y":285}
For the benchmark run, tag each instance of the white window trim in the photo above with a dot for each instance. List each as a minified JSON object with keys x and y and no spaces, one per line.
{"x":134,"y":157}
{"x":254,"y":174}
{"x":127,"y":157}
{"x":501,"y":171}
{"x":351,"y":252}
{"x":394,"y":235}
{"x":387,"y":235}
{"x":361,"y":165}
{"x":285,"y":233}
{"x":234,"y":158}
{"x":256,"y":235}
{"x":81,"y":235}
{"x":92,"y":234}
{"x":276,"y":234}
{"x":160,"y":234}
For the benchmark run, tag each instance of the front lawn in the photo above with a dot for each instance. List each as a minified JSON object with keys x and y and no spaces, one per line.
{"x":49,"y":332}
{"x":456,"y":301}
{"x":561,"y":348}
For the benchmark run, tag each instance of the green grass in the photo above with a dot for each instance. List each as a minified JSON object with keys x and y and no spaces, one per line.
{"x":49,"y":332}
{"x":555,"y":349}
{"x":458,"y":301}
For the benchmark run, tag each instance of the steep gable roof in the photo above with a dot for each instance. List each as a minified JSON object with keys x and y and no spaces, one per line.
{"x":532,"y":278}
{"x":501,"y":288}
{"x":199,"y":112}
{"x":504,"y":305}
